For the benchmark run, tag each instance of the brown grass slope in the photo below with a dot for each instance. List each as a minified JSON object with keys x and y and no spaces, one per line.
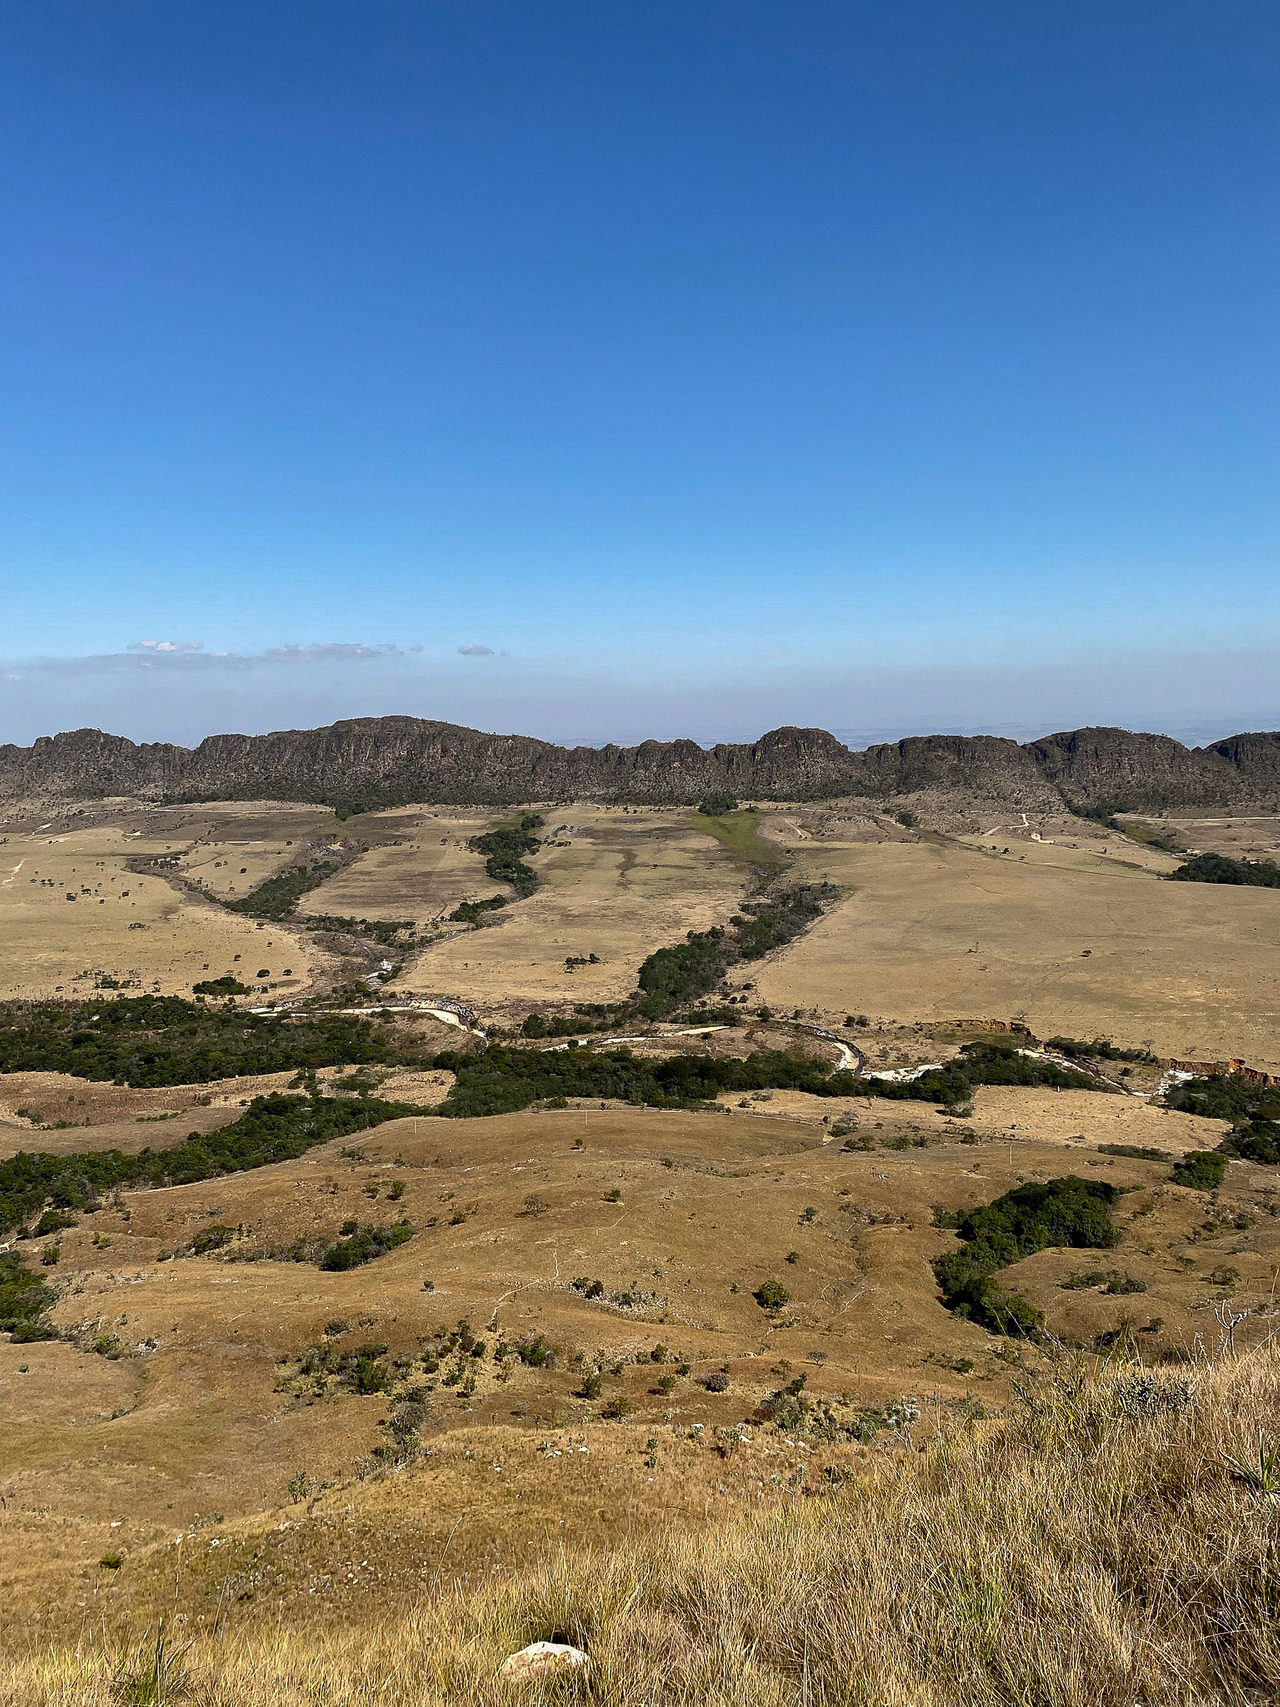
{"x":1115,"y":1543}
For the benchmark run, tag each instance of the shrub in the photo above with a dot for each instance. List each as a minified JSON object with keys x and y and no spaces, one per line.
{"x":365,"y":1244}
{"x":717,"y":1382}
{"x":226,"y":986}
{"x":716,"y":805}
{"x":1220,"y":868}
{"x":211,"y":1238}
{"x":1202,"y":1170}
{"x":590,"y":1388}
{"x":771,"y":1295}
{"x":617,"y":1406}
{"x":534,"y":1351}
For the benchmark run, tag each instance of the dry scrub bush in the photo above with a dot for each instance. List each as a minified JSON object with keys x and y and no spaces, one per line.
{"x":1102,"y":1550}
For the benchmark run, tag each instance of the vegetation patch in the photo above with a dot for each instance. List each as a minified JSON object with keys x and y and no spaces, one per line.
{"x":1252,"y":1109}
{"x":504,"y":849}
{"x":1221,"y":868}
{"x":1100,"y":1049}
{"x":1203,"y":1170}
{"x":1067,"y":1211}
{"x":276,"y":1128}
{"x":471,"y":912}
{"x":503,"y":1079}
{"x":672,"y":976}
{"x":365,"y":1243}
{"x":147,"y":1041}
{"x":23,"y":1300}
{"x":279,"y":895}
{"x":736,"y":832}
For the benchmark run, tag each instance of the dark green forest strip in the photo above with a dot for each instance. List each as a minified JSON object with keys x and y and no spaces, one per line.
{"x":672,"y":976}
{"x":1219,"y":868}
{"x":502,"y":1080}
{"x":1068,"y":1211}
{"x":278,"y":896}
{"x":504,"y":848}
{"x":147,"y":1041}
{"x":276,"y":1128}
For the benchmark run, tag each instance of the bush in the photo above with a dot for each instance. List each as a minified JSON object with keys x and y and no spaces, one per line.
{"x":364,"y":1245}
{"x":275,"y":1128}
{"x":717,"y":1381}
{"x":1259,"y":1141}
{"x":211,"y":1239}
{"x":771,"y":1295}
{"x":1202,"y":1170}
{"x":227,"y":986}
{"x":716,"y":805}
{"x":617,"y":1406}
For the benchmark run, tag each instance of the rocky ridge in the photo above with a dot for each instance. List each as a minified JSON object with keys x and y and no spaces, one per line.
{"x":386,"y":761}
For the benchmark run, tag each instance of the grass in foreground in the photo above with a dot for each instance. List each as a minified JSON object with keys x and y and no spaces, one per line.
{"x":1113,"y":1544}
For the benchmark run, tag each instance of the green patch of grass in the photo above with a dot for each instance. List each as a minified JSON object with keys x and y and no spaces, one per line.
{"x":737,"y":834}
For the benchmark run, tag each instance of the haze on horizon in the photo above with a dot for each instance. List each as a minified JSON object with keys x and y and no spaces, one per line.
{"x":643,"y":370}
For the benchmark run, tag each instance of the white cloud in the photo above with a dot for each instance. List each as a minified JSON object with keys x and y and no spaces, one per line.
{"x":476,"y":651}
{"x":167,"y":646}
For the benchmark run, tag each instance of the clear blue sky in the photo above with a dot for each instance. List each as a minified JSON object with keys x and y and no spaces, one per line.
{"x":709,"y":364}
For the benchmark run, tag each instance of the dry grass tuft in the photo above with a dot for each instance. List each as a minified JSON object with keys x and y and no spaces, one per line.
{"x":1100,"y":1549}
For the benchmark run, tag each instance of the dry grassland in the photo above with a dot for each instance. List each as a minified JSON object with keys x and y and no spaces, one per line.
{"x":938,"y":930}
{"x":1092,"y":1551}
{"x":175,"y":1442}
{"x":420,"y":868}
{"x":190,"y":1421}
{"x":624,"y":885}
{"x":140,"y":929}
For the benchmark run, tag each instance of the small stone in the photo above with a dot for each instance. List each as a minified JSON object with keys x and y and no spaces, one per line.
{"x":540,"y":1658}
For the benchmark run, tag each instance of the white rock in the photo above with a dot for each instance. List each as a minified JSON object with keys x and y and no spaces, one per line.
{"x":539,"y":1658}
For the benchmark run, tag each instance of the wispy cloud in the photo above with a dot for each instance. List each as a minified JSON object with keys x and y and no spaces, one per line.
{"x":330,"y":650}
{"x":476,"y":651}
{"x":166,"y":646}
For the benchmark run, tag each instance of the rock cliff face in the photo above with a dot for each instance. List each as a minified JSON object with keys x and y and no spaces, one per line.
{"x":384,"y":761}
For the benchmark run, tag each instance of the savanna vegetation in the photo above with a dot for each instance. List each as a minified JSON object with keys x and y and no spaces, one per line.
{"x":502,"y":1079}
{"x":1221,"y":868}
{"x":504,"y":850}
{"x":274,"y":1128}
{"x":1068,"y":1211}
{"x":167,"y":1040}
{"x":673,"y":976}
{"x":279,"y":895}
{"x":1111,"y":1541}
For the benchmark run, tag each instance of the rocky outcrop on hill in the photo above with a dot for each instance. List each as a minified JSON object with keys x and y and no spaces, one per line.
{"x":384,"y":761}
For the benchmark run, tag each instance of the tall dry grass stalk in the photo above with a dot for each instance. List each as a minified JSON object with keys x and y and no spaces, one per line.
{"x":1102,"y":1550}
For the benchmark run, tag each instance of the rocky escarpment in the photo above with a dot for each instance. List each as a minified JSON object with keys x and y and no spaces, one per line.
{"x":383,"y":761}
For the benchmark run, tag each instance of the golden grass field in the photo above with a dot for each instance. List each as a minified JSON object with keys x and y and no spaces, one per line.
{"x":679,"y":1535}
{"x":936,"y":929}
{"x":1106,"y":1545}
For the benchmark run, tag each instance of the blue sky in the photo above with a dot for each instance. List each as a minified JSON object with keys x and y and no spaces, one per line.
{"x":696,"y":366}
